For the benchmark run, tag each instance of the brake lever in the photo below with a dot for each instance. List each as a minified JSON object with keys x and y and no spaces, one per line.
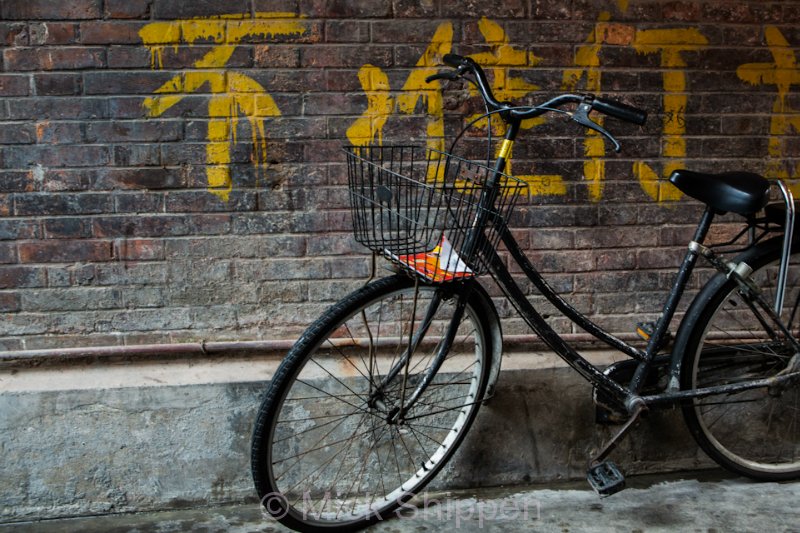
{"x":581,"y":116}
{"x":451,"y":75}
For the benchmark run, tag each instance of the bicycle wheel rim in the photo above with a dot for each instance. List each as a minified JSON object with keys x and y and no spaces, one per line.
{"x":756,"y":432}
{"x":352,"y":500}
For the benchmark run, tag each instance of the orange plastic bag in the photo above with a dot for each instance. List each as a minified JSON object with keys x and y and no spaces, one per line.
{"x":440,"y":264}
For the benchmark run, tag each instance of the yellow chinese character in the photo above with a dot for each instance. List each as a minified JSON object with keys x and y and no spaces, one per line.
{"x":233,"y":94}
{"x":381,"y":105}
{"x":783,"y":74}
{"x":671,"y":44}
{"x":587,"y":58}
{"x":507,"y":88}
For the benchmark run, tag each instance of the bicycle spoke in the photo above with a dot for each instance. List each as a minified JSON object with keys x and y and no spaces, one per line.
{"x":340,"y":382}
{"x":316,"y":427}
{"x":337,"y":397}
{"x":335,"y":454}
{"x":752,"y":432}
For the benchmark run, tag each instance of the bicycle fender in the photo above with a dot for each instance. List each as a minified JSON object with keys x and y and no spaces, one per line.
{"x":687,"y":329}
{"x":495,"y":332}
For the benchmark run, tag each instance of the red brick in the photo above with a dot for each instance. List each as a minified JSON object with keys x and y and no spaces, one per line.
{"x":549,"y":10}
{"x":59,"y":84}
{"x":57,"y":108}
{"x":128,"y":9}
{"x":184,"y":57}
{"x":16,"y":133}
{"x":8,"y":253}
{"x":84,"y":167}
{"x":347,"y":31}
{"x":21,"y":277}
{"x":139,"y":249}
{"x":49,"y":132}
{"x":683,"y":11}
{"x":65,"y":155}
{"x":275,"y":56}
{"x":346,"y":56}
{"x":133,"y":130}
{"x":50,"y":10}
{"x":51,"y":58}
{"x":345,"y":8}
{"x":504,"y":9}
{"x":15,"y":181}
{"x":14,"y":34}
{"x":9,"y":302}
{"x":129,"y":57}
{"x":203,"y":201}
{"x":181,"y":9}
{"x":105,"y":32}
{"x":138,"y":179}
{"x":99,"y":82}
{"x":14,"y":85}
{"x":67,"y":228}
{"x":404,"y":31}
{"x":66,"y":251}
{"x":42,"y":33}
{"x":415,"y":8}
{"x":143,"y":225}
{"x":61,"y":180}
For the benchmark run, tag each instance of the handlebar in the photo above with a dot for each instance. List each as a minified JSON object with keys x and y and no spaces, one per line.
{"x":607,"y":106}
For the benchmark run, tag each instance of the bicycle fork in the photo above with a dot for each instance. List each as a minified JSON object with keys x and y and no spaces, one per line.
{"x":416,"y":334}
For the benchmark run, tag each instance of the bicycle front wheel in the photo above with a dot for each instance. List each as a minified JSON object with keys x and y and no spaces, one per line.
{"x":755,"y":433}
{"x":328,"y":449}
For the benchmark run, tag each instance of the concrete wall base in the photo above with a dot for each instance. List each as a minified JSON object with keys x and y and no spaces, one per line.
{"x":124,"y":447}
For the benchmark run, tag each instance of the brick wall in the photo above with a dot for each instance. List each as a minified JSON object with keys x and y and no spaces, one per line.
{"x":170,"y":170}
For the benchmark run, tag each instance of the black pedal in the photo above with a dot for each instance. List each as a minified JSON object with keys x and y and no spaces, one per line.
{"x":606,"y":479}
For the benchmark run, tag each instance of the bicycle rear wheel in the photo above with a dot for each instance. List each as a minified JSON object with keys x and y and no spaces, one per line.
{"x":755,"y":433}
{"x":326,"y":453}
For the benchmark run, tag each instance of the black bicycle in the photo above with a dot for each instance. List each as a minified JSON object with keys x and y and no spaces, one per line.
{"x":379,"y":392}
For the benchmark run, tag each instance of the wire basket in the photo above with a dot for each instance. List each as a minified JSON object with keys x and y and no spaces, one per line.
{"x":417,"y":208}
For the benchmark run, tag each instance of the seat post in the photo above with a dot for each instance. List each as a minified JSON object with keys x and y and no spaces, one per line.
{"x":674,"y":298}
{"x":705,"y":223}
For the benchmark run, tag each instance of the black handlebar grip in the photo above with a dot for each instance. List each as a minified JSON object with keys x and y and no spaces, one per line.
{"x":449,"y":75}
{"x":619,"y":110}
{"x":453,"y":60}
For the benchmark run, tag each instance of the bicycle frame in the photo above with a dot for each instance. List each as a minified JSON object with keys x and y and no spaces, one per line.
{"x":629,"y":396}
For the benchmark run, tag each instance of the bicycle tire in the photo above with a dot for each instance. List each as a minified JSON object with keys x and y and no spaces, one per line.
{"x":364,"y":468}
{"x":755,"y":433}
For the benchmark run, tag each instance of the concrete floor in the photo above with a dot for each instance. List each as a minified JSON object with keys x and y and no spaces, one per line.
{"x":706,"y":502}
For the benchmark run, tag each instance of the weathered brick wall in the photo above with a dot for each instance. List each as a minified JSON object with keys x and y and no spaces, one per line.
{"x":171,"y":170}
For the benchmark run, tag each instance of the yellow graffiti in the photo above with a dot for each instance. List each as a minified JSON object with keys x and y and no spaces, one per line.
{"x":671,"y":44}
{"x":381,"y":104}
{"x":587,"y":58}
{"x":233,"y":94}
{"x":784,"y":74}
{"x":507,"y":88}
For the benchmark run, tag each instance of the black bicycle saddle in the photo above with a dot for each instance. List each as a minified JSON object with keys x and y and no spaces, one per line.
{"x":739,"y":192}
